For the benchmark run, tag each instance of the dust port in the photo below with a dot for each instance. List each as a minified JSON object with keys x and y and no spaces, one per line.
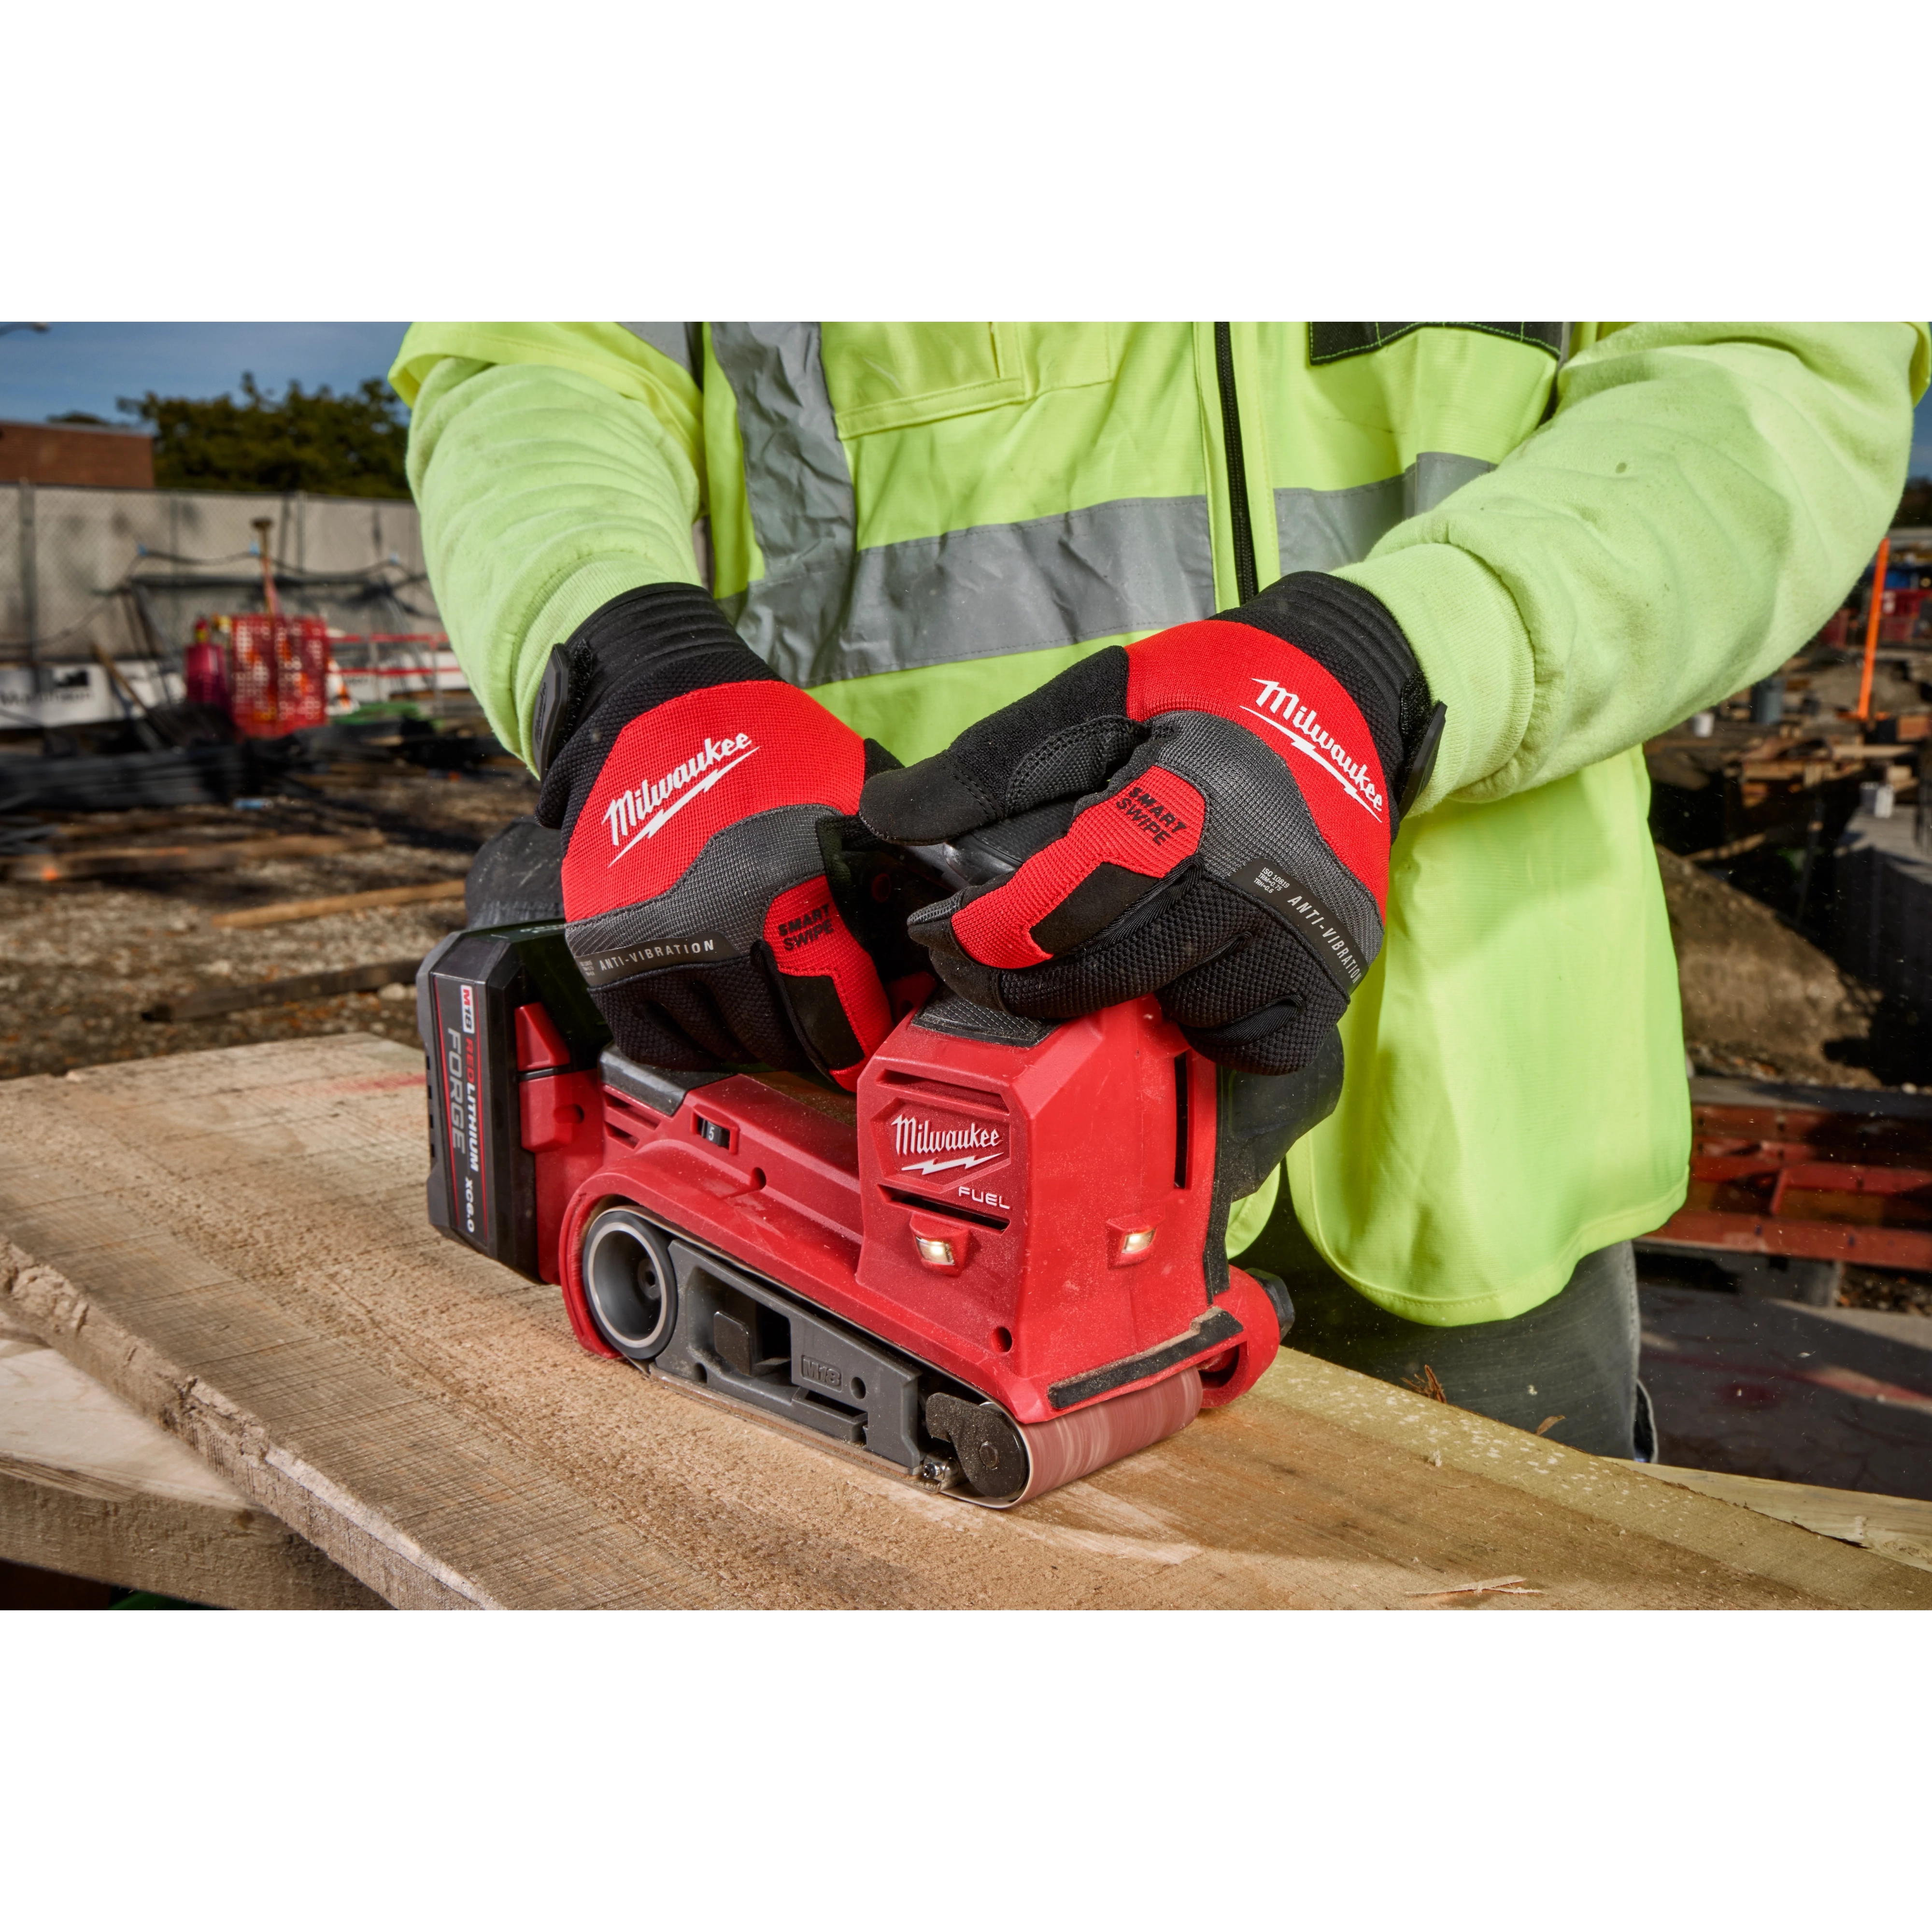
{"x":629,"y":1283}
{"x":716,"y":1132}
{"x":1003,"y":1340}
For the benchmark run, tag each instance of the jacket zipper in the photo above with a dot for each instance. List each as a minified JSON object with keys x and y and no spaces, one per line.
{"x":1246,"y":584}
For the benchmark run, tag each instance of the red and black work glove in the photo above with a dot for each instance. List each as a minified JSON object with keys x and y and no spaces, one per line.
{"x":1208,"y":814}
{"x":706,"y":808}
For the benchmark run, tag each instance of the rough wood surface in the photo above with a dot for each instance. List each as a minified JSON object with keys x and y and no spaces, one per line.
{"x":1900,"y":1527}
{"x":234,"y":1242}
{"x":90,"y":1489}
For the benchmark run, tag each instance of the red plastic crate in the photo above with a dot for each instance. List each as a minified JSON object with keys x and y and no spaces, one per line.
{"x":277,"y":674}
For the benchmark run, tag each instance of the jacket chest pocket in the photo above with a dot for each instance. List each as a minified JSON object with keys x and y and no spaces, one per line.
{"x":892,"y":375}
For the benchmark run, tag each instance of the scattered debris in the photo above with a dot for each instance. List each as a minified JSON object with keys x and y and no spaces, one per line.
{"x":205,"y":1002}
{"x":1491,"y":1586}
{"x":1425,"y":1383}
{"x":1889,"y":1292}
{"x":291,"y":910}
{"x":104,"y":861}
{"x":1734,"y":848}
{"x":80,"y":962}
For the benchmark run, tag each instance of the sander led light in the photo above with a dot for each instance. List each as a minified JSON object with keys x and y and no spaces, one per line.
{"x":935,"y":1254}
{"x":1136,"y":1241}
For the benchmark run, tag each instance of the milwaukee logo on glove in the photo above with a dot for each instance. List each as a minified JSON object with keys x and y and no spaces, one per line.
{"x":1307,"y":735}
{"x":641,"y":812}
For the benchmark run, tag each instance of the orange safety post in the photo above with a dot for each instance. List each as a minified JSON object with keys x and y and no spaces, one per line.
{"x":1864,"y":712}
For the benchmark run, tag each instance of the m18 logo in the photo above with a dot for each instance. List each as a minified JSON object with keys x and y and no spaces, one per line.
{"x":469,"y":1009}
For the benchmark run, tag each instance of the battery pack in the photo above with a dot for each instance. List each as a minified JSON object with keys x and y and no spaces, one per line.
{"x":482,"y":1182}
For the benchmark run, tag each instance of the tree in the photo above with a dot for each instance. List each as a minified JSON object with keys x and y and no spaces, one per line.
{"x":332,"y":445}
{"x":1915,"y":507}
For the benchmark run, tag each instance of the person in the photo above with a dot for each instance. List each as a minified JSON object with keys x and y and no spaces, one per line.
{"x":1310,"y":663}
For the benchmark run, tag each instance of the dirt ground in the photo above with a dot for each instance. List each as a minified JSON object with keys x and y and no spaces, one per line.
{"x":80,"y":960}
{"x":1759,"y":1002}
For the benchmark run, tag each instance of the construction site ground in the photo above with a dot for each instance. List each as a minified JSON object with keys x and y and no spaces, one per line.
{"x":81,"y":960}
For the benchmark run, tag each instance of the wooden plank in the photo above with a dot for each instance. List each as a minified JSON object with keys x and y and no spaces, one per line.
{"x":90,"y":1489}
{"x":287,"y":910}
{"x":234,"y":1243}
{"x":1900,"y":1527}
{"x":207,"y":1002}
{"x":215,"y":855}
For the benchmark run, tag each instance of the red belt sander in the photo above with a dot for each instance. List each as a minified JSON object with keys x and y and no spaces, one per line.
{"x":998,"y":1267}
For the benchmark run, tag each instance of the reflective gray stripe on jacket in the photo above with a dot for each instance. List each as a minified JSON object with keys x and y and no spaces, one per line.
{"x":826,"y":610}
{"x":1322,"y":529}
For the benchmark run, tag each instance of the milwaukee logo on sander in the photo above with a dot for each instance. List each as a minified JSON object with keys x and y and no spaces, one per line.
{"x":1308,"y":735}
{"x":641,"y":812}
{"x":966,"y":1143}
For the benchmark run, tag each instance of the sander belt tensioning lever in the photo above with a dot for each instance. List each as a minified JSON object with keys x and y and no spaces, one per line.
{"x":999,"y":1267}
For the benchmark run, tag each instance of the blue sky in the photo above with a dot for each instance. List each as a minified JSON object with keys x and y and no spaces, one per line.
{"x":88,"y":365}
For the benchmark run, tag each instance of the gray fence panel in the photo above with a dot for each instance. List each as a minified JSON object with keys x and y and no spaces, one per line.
{"x":357,"y":562}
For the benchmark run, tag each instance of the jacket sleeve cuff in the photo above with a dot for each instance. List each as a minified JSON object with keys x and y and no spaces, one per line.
{"x":1473,"y":648}
{"x":585,"y":590}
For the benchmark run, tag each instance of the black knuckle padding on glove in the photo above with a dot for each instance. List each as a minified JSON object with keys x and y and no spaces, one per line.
{"x":1209,"y":812}
{"x":707,"y":809}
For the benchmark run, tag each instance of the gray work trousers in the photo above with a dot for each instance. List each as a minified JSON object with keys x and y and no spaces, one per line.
{"x":1574,"y":1356}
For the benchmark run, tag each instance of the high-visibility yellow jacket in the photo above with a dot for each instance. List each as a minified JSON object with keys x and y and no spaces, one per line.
{"x":1587,"y":530}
